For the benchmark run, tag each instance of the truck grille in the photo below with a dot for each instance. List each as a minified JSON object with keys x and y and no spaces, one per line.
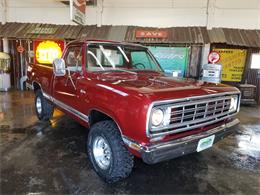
{"x":197,"y":113}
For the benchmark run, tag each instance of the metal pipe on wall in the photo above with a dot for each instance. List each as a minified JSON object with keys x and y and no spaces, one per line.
{"x":3,"y":11}
{"x":23,"y":67}
{"x":100,"y":6}
{"x":5,"y":45}
{"x":210,"y":11}
{"x":3,"y":8}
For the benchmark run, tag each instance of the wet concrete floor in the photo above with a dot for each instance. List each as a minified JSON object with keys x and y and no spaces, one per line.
{"x":50,"y":158}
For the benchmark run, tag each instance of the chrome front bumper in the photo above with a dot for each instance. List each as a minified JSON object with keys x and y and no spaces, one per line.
{"x":173,"y":149}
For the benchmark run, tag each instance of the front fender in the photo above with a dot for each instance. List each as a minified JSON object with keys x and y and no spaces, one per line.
{"x":128,"y":111}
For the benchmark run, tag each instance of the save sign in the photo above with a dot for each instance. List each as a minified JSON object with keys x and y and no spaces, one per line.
{"x":161,"y":34}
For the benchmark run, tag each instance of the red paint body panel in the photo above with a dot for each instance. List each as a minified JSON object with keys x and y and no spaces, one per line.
{"x":122,"y":96}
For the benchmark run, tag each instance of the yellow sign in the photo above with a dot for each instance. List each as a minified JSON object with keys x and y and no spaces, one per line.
{"x":233,"y":63}
{"x":47,"y":51}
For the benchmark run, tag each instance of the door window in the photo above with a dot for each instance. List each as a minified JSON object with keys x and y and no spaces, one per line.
{"x":73,"y":58}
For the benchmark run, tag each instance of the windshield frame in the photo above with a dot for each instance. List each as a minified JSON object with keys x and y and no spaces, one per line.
{"x":122,"y":46}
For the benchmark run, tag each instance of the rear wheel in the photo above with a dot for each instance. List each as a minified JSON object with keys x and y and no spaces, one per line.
{"x":109,"y":157}
{"x":43,"y":108}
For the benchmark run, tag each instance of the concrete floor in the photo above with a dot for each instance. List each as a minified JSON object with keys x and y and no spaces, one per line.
{"x":50,"y":157}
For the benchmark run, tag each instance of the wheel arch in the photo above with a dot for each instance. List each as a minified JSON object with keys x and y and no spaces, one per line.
{"x":36,"y":86}
{"x":96,"y":115}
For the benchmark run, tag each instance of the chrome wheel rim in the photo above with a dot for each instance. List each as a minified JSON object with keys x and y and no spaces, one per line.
{"x":39,"y":105}
{"x":102,"y":152}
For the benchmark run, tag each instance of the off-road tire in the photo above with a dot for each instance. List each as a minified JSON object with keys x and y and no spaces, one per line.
{"x":122,"y":160}
{"x":47,"y":108}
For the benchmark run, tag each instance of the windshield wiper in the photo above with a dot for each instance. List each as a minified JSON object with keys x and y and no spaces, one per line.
{"x":111,"y":61}
{"x":107,"y":57}
{"x":93,"y":55}
{"x":123,"y":53}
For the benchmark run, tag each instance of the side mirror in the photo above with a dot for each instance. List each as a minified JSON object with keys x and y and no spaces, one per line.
{"x":59,"y":68}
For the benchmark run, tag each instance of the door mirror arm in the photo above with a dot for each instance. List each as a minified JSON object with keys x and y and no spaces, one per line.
{"x":70,"y":78}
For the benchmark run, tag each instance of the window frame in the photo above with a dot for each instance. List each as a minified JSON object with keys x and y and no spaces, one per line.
{"x":69,"y":47}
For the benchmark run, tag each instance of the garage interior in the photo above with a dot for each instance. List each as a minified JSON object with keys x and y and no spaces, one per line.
{"x":49,"y":157}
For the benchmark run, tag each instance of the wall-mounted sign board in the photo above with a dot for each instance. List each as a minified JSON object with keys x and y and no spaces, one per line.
{"x":173,"y":60}
{"x":212,"y":73}
{"x":78,"y":11}
{"x":42,"y":30}
{"x":213,"y":57}
{"x":159,"y":34}
{"x":47,"y":50}
{"x":233,"y":63}
{"x":20,"y":49}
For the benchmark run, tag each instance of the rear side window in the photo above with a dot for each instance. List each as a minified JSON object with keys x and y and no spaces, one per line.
{"x":73,"y":58}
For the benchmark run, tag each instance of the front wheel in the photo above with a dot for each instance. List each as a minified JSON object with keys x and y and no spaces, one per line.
{"x":43,"y":108}
{"x":109,"y":157}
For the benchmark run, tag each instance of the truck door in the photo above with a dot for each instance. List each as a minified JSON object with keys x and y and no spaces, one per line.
{"x":65,"y":88}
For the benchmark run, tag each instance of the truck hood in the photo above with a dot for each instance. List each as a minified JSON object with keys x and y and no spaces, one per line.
{"x":158,"y":85}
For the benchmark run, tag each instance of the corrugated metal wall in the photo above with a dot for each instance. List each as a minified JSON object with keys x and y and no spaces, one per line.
{"x":253,"y":79}
{"x":250,"y":75}
{"x":237,"y":37}
{"x":176,"y":35}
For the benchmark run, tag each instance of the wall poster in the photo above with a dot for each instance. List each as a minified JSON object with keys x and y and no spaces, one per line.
{"x":172,"y":59}
{"x":233,"y":63}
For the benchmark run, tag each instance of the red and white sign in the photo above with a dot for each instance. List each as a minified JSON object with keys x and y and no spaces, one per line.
{"x":20,"y":49}
{"x":161,"y":34}
{"x":78,"y":11}
{"x":213,"y":57}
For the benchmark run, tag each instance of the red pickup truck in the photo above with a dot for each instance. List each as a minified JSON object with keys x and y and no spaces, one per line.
{"x":121,"y":93}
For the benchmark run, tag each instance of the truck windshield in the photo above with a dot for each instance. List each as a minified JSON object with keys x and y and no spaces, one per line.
{"x":103,"y":57}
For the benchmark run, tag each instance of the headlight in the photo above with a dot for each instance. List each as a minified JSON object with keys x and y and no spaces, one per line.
{"x":157,"y":117}
{"x":233,"y":104}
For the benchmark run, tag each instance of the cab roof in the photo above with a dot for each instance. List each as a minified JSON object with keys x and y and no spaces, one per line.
{"x":89,"y":41}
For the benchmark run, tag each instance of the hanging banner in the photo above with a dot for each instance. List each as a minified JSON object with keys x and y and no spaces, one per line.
{"x":233,"y":63}
{"x":172,"y":59}
{"x":78,"y":11}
